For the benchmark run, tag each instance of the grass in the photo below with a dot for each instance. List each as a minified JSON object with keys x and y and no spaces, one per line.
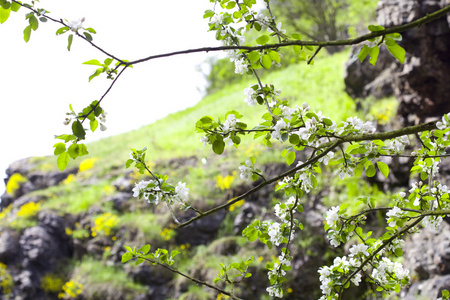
{"x":100,"y":280}
{"x":75,"y":197}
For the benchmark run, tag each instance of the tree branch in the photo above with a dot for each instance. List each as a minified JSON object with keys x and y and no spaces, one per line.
{"x":396,"y":29}
{"x":328,"y":147}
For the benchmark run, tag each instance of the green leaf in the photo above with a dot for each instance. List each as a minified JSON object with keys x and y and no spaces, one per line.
{"x":62,"y":161}
{"x":59,"y":148}
{"x":91,"y":30}
{"x":95,"y":74}
{"x":365,"y":50}
{"x":4,"y":14}
{"x":27,"y":33}
{"x":231,"y":5}
{"x":82,"y":150}
{"x":93,"y":125}
{"x":358,"y":170}
{"x":383,"y":168}
{"x":108,"y":61}
{"x":62,"y":30}
{"x":145,"y":248}
{"x":218,"y":146}
{"x":375,"y":28}
{"x":296,"y":36}
{"x":73,"y":150}
{"x":126,"y":257}
{"x":88,"y":36}
{"x":398,"y":52}
{"x":262,"y":40}
{"x":370,"y":171}
{"x":374,"y":55}
{"x":208,"y":14}
{"x":69,"y":42}
{"x":253,"y":56}
{"x":93,"y":62}
{"x":266,"y":61}
{"x":290,"y":158}
{"x":275,"y":56}
{"x":78,"y":130}
{"x":297,"y":49}
{"x":15,"y":6}
{"x":34,"y":23}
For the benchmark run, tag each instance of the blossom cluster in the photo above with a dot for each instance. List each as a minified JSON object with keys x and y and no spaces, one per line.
{"x":277,"y":233}
{"x":332,"y":218}
{"x":153,"y":192}
{"x":247,"y":170}
{"x":384,"y":272}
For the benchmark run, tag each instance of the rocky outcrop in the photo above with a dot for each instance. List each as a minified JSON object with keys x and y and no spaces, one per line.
{"x":421,"y":83}
{"x":36,"y":180}
{"x":33,"y":253}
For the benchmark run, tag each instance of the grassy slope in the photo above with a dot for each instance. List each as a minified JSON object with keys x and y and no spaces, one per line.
{"x":320,"y":85}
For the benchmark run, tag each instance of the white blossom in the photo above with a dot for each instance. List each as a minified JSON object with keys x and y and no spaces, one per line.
{"x":138,"y":186}
{"x":355,"y":250}
{"x":246,"y":170}
{"x":204,"y":140}
{"x":276,"y":134}
{"x":287,"y":112}
{"x":217,"y":19}
{"x":356,"y":279}
{"x":444,"y":124}
{"x":230,"y":123}
{"x":240,"y":66}
{"x":76,"y":24}
{"x":332,"y":215}
{"x":250,"y":94}
{"x":182,"y":191}
{"x":393,"y":214}
{"x":274,"y":231}
{"x":325,"y":159}
{"x":275,"y":291}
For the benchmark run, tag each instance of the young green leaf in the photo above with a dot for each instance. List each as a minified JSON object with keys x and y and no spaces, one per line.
{"x":93,"y":124}
{"x":78,"y":130}
{"x":218,"y":146}
{"x":376,"y":28}
{"x":397,"y":51}
{"x":34,"y":23}
{"x":370,"y":171}
{"x":4,"y":14}
{"x":27,"y":33}
{"x":15,"y":6}
{"x":266,"y":61}
{"x":383,"y":168}
{"x":262,"y":40}
{"x":62,"y":161}
{"x":62,"y":30}
{"x":126,"y":257}
{"x":88,"y":36}
{"x":93,"y":62}
{"x":59,"y":148}
{"x":69,"y":43}
{"x":290,"y":158}
{"x":374,"y":55}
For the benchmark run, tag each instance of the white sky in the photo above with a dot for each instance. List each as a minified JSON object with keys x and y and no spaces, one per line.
{"x":39,"y":79}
